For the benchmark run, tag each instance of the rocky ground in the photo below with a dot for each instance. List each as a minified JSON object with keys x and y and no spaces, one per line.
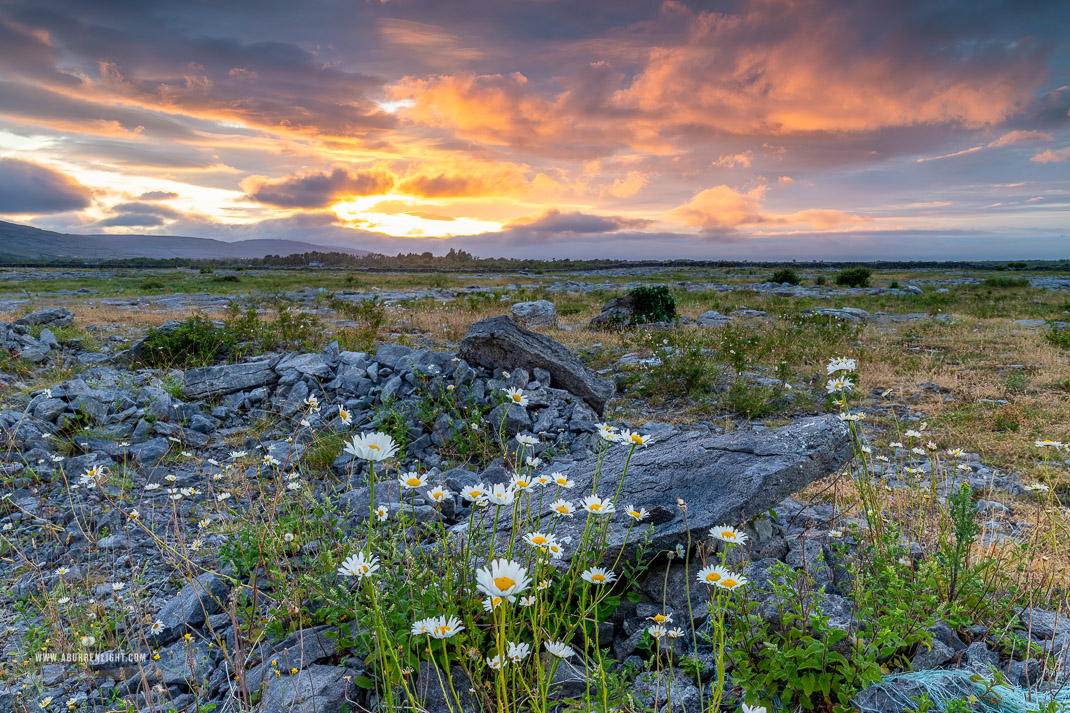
{"x":175,"y":444}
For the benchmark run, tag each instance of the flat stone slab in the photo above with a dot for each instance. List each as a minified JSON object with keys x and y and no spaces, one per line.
{"x":723,"y":479}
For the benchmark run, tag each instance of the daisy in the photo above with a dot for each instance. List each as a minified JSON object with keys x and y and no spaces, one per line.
{"x":196,"y":545}
{"x":917,"y":451}
{"x":835,"y":533}
{"x":444,"y":627}
{"x":526,"y":439}
{"x":520,"y":482}
{"x":156,"y":628}
{"x":7,"y":526}
{"x":712,"y":575}
{"x":562,"y":480}
{"x":532,"y":463}
{"x":954,"y":451}
{"x":501,"y":495}
{"x":46,"y":702}
{"x":726,"y":533}
{"x":753,"y":709}
{"x":62,"y":570}
{"x":731,"y":581}
{"x":516,"y":396}
{"x":439,"y":494}
{"x":630,"y":438}
{"x":881,"y":458}
{"x":597,"y":506}
{"x":491,"y":603}
{"x":475,"y":492}
{"x":839,"y":364}
{"x":117,"y":586}
{"x":852,"y":416}
{"x":496,"y":663}
{"x":373,"y":447}
{"x":293,"y":486}
{"x":170,"y":477}
{"x":911,"y":433}
{"x":562,"y":507}
{"x":537,"y":539}
{"x":656,"y":631}
{"x":543,"y":584}
{"x":517,"y":652}
{"x":639,"y":514}
{"x":312,"y":402}
{"x":661,"y":618}
{"x":359,"y":566}
{"x":527,"y":601}
{"x":235,"y":455}
{"x":555,"y":549}
{"x":134,"y":514}
{"x":675,"y":633}
{"x":835,"y":386}
{"x":543,"y":480}
{"x":411,"y":481}
{"x":423,"y":626}
{"x":204,"y":523}
{"x":1046,"y":443}
{"x":559,"y":649}
{"x":503,"y":578}
{"x":895,"y":444}
{"x":222,"y":496}
{"x":381,"y":513}
{"x":598,"y":575}
{"x":87,"y":641}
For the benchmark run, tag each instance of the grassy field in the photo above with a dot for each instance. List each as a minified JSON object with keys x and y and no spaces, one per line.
{"x":960,"y":370}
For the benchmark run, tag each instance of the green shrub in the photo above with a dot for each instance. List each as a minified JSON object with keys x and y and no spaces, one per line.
{"x":653,"y":304}
{"x":785,"y":275}
{"x":894,"y":285}
{"x":819,"y":280}
{"x":196,"y":342}
{"x":854,"y":277}
{"x":370,"y":316}
{"x":1058,"y":337}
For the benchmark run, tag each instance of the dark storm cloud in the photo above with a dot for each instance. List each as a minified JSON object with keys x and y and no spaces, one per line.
{"x":318,"y":189}
{"x":27,"y":187}
{"x":131,"y":220}
{"x":147,"y":209}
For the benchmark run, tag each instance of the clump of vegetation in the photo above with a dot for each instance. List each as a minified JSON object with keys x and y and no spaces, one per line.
{"x":786,"y":275}
{"x":653,"y":304}
{"x":1058,"y":337}
{"x":370,"y":316}
{"x":1005,"y":282}
{"x":196,"y":342}
{"x":854,"y":277}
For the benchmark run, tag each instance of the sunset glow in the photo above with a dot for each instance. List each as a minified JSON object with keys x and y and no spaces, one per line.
{"x":762,"y":129}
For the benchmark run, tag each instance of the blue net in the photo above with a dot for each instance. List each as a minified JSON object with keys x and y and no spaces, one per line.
{"x":940,"y":687}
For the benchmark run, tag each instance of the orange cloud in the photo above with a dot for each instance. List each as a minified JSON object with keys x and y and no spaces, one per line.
{"x":1018,"y":136}
{"x":722,"y":208}
{"x":1052,"y":156}
{"x":466,"y":179}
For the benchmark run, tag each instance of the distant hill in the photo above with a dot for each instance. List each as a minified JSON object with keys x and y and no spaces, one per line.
{"x":22,"y":242}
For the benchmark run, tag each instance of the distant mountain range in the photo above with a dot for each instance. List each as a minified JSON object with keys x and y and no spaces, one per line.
{"x":22,"y":242}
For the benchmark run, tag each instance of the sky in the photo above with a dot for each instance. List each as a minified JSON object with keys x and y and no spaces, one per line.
{"x":756,"y":129}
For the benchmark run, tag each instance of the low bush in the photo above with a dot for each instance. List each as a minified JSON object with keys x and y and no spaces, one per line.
{"x":1005,"y":282}
{"x":196,"y":342}
{"x":785,"y":275}
{"x":854,"y":277}
{"x":653,"y":304}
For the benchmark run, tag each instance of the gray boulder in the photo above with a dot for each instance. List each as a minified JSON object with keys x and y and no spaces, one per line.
{"x":316,"y":689}
{"x":210,"y":381}
{"x":615,"y":314}
{"x":713,"y":318}
{"x":191,"y":607}
{"x":53,"y":317}
{"x":500,"y":343}
{"x":723,"y":479}
{"x":540,"y":313}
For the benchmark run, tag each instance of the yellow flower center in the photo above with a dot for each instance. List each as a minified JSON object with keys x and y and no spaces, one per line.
{"x":562,"y":509}
{"x":598,"y":578}
{"x":412,"y":482}
{"x":521,"y":483}
{"x":516,"y":397}
{"x":538,"y":540}
{"x":636,"y":438}
{"x":596,"y":507}
{"x":730,"y":583}
{"x":659,"y":618}
{"x":475,"y":493}
{"x":633,"y":513}
{"x":363,"y":568}
{"x":728,"y":535}
{"x":504,"y":583}
{"x":442,"y":630}
{"x":712,"y":577}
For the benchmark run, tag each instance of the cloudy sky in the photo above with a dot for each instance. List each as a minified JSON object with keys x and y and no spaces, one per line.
{"x":763,"y":129}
